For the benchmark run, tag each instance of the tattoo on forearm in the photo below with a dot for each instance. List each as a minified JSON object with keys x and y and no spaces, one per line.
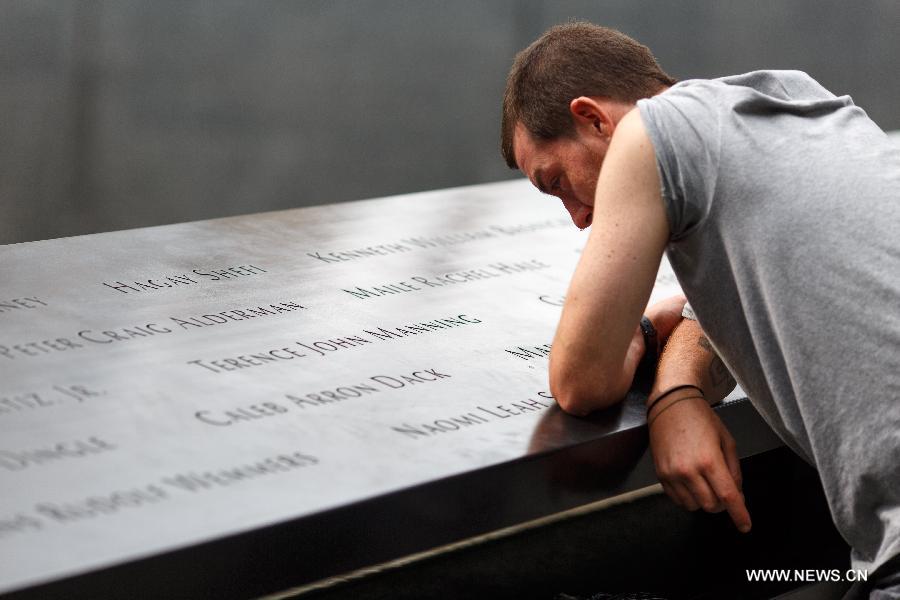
{"x":719,"y":375}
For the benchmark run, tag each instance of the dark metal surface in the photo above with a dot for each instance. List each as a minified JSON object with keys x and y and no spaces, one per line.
{"x":206,"y":409}
{"x":633,"y":542}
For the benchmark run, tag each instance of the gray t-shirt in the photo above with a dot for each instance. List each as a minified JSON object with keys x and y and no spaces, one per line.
{"x":784,"y":207}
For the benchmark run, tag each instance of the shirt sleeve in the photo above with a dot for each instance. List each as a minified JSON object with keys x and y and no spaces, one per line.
{"x":683,"y":124}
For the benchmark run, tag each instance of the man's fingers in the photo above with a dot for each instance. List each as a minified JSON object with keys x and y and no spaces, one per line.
{"x":685,"y":499}
{"x":704,"y":494}
{"x":671,"y":494}
{"x":730,"y":496}
{"x":729,"y":450}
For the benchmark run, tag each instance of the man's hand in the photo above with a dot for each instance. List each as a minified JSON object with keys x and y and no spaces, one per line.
{"x":665,"y":315}
{"x":697,"y":462}
{"x":695,"y":456}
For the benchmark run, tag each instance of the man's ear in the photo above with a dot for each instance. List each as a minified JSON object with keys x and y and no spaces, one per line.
{"x":592,"y":117}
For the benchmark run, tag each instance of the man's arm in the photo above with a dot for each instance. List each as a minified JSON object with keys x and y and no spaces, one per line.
{"x":695,"y":455}
{"x":594,"y":351}
{"x":689,"y":358}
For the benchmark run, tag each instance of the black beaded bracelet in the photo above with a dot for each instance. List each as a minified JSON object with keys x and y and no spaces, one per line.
{"x":651,"y":341}
{"x":673,"y":390}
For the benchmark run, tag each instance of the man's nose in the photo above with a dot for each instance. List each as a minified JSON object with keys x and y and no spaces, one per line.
{"x":581,"y":214}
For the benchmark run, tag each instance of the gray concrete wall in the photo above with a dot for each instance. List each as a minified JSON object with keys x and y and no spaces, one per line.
{"x":133,"y":113}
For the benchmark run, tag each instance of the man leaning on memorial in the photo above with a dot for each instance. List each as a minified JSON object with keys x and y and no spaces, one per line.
{"x":778,"y":205}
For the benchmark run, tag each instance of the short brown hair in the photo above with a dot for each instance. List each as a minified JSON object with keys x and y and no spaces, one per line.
{"x":568,"y":61}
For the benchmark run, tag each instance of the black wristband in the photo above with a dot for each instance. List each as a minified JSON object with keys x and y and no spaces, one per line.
{"x":651,"y":341}
{"x":671,"y":391}
{"x":646,"y":369}
{"x":670,"y":405}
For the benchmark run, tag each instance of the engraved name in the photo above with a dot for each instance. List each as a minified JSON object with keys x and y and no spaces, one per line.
{"x":417,"y":283}
{"x":19,"y":460}
{"x":19,"y":523}
{"x":95,"y":506}
{"x":27,"y":303}
{"x":263,"y":410}
{"x":530,"y":352}
{"x":88,"y":337}
{"x":306,"y":349}
{"x":439,"y":241}
{"x":225,"y":316}
{"x":153,"y":284}
{"x":479,"y":415}
{"x":30,"y":401}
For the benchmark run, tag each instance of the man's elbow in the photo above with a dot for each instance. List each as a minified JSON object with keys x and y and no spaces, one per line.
{"x":580,"y":398}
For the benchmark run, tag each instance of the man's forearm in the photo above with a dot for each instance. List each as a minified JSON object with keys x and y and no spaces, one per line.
{"x":689,"y":358}
{"x":695,"y":456}
{"x":579,"y":394}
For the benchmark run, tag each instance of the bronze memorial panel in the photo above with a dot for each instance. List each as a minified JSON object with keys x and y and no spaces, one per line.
{"x":166,"y":387}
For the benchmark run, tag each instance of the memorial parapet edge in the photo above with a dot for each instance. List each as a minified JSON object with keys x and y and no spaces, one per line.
{"x":168,"y":388}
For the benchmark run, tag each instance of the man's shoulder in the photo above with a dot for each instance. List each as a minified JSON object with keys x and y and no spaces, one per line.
{"x":777,"y":85}
{"x":709,"y":104}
